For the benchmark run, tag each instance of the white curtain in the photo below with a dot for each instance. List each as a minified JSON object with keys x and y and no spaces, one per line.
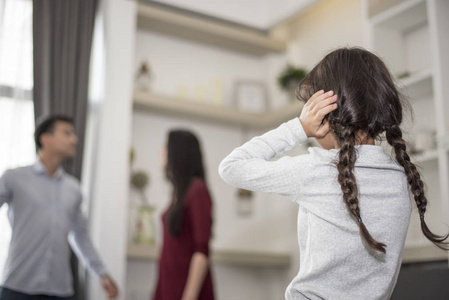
{"x":16,"y":105}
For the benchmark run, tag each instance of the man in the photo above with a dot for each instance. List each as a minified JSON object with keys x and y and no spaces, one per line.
{"x":44,"y":211}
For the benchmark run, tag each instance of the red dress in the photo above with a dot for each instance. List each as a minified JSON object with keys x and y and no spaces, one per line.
{"x":177,"y":251}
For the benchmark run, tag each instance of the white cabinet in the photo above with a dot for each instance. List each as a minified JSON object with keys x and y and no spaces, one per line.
{"x":183,"y":48}
{"x":411,"y":37}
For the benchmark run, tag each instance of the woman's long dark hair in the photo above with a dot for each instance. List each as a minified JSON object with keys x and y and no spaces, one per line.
{"x":369,"y":103}
{"x":184,"y":163}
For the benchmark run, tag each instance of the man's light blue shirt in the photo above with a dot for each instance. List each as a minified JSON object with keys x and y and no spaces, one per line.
{"x":45,"y":214}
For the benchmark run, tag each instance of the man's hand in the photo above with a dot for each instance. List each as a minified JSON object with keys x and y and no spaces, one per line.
{"x":109,"y":287}
{"x":314,"y":111}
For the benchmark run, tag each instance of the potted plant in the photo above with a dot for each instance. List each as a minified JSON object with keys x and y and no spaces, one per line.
{"x":289,"y":79}
{"x":145,"y":230}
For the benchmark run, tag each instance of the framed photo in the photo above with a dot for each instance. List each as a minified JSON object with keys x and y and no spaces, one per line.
{"x":250,"y":96}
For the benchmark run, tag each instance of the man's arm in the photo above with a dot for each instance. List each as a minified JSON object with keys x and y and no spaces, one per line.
{"x":82,"y":245}
{"x":5,"y":189}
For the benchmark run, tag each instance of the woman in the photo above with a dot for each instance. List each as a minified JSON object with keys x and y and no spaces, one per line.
{"x":354,"y":200}
{"x":184,"y":264}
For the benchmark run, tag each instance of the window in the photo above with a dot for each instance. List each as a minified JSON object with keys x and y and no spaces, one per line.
{"x":16,"y":105}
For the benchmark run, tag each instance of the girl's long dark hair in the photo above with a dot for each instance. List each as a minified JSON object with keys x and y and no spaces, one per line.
{"x":369,"y":103}
{"x":184,"y":163}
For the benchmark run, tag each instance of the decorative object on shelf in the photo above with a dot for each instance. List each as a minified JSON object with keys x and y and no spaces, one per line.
{"x":423,"y":140}
{"x":251,"y":96}
{"x":289,"y":79}
{"x":218,"y":91}
{"x":244,"y":202}
{"x":182,"y":91}
{"x":139,"y":180}
{"x":143,"y":78}
{"x":403,"y":75}
{"x":145,"y":230}
{"x":201,"y":94}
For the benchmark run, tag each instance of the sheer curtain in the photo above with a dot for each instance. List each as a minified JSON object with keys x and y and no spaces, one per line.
{"x":16,"y":105}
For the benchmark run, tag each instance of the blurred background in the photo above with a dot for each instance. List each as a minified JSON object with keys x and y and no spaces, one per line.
{"x":129,"y":71}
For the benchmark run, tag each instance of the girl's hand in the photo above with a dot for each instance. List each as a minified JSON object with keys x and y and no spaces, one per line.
{"x":314,"y":111}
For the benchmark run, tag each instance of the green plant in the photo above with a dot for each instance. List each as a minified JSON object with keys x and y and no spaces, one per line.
{"x":139,"y":180}
{"x":290,"y":77}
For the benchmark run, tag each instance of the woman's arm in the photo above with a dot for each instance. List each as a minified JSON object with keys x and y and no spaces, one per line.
{"x":197,"y":273}
{"x":199,"y":206}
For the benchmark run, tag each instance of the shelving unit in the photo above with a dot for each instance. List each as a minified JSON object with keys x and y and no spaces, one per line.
{"x":422,"y":251}
{"x":226,"y":115}
{"x":402,"y":16}
{"x":410,"y":37}
{"x":390,"y":30}
{"x":207,"y":30}
{"x":246,"y":43}
{"x":428,"y":156}
{"x":241,"y":258}
{"x":418,"y":85}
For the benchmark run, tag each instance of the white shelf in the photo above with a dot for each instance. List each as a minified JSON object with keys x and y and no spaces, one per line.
{"x":403,"y":36}
{"x":234,"y":257}
{"x":427,"y":156}
{"x":422,"y":251}
{"x":403,"y":16}
{"x":143,"y":252}
{"x":418,"y":85}
{"x":220,"y":114}
{"x":443,"y":142}
{"x":207,"y":30}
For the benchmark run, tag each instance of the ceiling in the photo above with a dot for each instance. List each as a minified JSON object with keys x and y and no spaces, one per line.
{"x":260,"y":14}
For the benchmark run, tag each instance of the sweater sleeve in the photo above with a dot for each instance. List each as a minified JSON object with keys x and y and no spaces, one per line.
{"x":250,"y":166}
{"x":82,"y":245}
{"x":200,"y":209}
{"x":5,"y":189}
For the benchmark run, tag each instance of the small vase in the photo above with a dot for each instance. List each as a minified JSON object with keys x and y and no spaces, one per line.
{"x":143,"y":79}
{"x":145,"y":228}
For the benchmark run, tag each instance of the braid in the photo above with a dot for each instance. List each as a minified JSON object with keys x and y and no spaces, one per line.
{"x":394,"y":138}
{"x":346,"y":178}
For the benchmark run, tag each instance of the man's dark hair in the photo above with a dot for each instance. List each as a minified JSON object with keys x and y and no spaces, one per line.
{"x":46,"y":125}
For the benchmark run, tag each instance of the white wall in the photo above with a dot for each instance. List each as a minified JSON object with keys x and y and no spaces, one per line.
{"x":324,"y":27}
{"x":193,"y":70}
{"x":108,"y":213}
{"x":270,"y":228}
{"x":149,"y":138}
{"x":280,"y":10}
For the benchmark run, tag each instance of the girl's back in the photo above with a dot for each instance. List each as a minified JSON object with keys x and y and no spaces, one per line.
{"x":354,"y":201}
{"x":335,"y":261}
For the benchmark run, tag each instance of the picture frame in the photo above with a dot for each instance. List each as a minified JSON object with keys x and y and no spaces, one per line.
{"x":250,"y":96}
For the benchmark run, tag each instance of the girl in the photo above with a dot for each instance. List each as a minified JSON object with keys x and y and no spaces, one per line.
{"x":354,"y":201}
{"x":184,"y":265}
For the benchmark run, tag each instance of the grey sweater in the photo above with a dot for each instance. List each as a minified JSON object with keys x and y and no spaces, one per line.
{"x":335,"y":263}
